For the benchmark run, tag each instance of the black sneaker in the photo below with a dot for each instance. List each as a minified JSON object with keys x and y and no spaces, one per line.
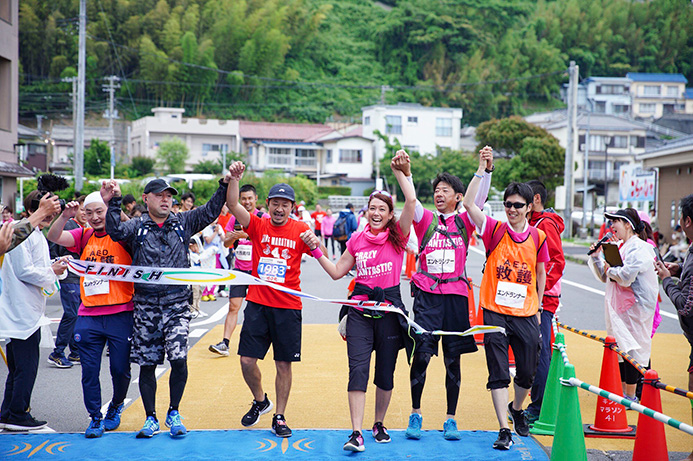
{"x":504,"y":440}
{"x":279,"y":426}
{"x":380,"y":433}
{"x":27,"y":424}
{"x":355,"y":442}
{"x":519,"y":422}
{"x":256,"y":409}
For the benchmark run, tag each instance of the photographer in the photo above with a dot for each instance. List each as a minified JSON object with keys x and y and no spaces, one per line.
{"x":26,"y":270}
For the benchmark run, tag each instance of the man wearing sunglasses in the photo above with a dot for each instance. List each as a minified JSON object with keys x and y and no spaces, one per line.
{"x":511,"y":295}
{"x":440,"y":289}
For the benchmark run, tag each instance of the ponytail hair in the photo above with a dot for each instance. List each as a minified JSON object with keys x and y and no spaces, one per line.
{"x":638,"y":224}
{"x":395,"y":238}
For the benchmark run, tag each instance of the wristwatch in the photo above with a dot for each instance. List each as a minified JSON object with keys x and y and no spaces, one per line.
{"x":493,"y":167}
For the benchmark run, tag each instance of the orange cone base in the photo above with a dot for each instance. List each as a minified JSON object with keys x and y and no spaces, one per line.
{"x":591,"y":431}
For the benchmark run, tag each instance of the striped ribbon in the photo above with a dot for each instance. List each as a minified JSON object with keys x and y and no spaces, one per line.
{"x":183,"y":276}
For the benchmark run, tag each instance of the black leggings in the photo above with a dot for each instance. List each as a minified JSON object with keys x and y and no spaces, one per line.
{"x":176,"y":384}
{"x":453,"y":377}
{"x":629,"y":374}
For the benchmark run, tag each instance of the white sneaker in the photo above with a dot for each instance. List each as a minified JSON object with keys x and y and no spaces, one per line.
{"x":224,"y":294}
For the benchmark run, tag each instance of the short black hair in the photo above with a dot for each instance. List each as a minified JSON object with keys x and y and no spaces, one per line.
{"x":187,"y":195}
{"x":455,"y":182}
{"x":538,"y":188}
{"x":31,"y":200}
{"x":350,"y":206}
{"x":129,"y":198}
{"x":248,"y":188}
{"x":687,"y":206}
{"x":521,"y":189}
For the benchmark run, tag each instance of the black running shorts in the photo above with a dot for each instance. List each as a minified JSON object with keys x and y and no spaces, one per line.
{"x":238,"y":291}
{"x":264,"y":326}
{"x":522,"y":334}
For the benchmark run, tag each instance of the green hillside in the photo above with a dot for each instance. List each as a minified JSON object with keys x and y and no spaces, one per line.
{"x":309,"y":60}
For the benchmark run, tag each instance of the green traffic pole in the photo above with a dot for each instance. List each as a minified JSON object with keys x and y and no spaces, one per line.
{"x":546,"y":424}
{"x":569,"y":441}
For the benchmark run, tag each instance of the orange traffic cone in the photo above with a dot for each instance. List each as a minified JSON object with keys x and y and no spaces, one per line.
{"x":650,"y":441}
{"x":411,"y":265}
{"x":472,"y":239}
{"x":511,"y":357}
{"x":610,"y":420}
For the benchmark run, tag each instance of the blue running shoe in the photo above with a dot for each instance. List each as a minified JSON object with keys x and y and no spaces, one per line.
{"x":414,"y":429}
{"x":112,"y":419}
{"x":95,"y":429}
{"x":450,"y":431}
{"x":151,"y":427}
{"x":173,"y":420}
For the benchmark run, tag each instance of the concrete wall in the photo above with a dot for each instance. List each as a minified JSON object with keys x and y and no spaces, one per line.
{"x":9,"y":78}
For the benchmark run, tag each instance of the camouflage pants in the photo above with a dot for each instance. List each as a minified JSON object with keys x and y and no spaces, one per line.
{"x":159,"y":328}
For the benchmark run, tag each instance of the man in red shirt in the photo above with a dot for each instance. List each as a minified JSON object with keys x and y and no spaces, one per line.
{"x":317,"y":216}
{"x":270,"y":317}
{"x":552,"y":224}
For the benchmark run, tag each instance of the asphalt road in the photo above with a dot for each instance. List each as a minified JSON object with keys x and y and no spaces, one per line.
{"x":57,"y":396}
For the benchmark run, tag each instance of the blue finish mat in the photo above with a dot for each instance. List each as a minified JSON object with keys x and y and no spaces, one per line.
{"x":260,"y":445}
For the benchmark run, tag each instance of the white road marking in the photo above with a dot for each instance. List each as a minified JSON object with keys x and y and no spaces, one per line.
{"x":218,"y":315}
{"x":197,"y":332}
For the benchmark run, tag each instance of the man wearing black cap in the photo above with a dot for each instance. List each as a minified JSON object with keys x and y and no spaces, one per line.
{"x":271,"y":317}
{"x":162,"y":313}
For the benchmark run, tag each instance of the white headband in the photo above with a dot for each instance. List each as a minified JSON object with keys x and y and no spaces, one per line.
{"x":94,"y":197}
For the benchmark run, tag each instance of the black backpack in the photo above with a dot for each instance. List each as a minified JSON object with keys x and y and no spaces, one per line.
{"x":339,"y":230}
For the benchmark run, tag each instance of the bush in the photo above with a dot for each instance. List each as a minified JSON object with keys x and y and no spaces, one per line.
{"x":173,"y":152}
{"x":333,"y":190}
{"x":207,"y":167}
{"x":141,"y":166}
{"x":97,"y":159}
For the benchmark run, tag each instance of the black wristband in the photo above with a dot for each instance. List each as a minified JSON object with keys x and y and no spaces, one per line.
{"x":493,"y":167}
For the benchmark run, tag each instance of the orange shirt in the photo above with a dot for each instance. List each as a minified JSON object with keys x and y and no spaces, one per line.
{"x":277,"y":252}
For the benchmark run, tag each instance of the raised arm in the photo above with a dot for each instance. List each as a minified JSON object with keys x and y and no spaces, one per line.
{"x":236,"y":170}
{"x":477,"y":216}
{"x":401,"y":167}
{"x":336,"y":271}
{"x":485,"y":186}
{"x":115,"y":228}
{"x":57,"y":234}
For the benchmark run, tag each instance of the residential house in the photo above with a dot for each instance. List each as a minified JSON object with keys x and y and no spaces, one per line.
{"x":674,"y":160}
{"x":62,"y":140}
{"x":10,"y":169}
{"x":606,"y":95}
{"x":655,"y":95}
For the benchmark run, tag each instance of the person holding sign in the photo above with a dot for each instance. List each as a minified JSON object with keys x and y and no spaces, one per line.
{"x":631,"y":293}
{"x":377,"y":252}
{"x":105,"y":313}
{"x":511,"y":297}
{"x":270,"y":317}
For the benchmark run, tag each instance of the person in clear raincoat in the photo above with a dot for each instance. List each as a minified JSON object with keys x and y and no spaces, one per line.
{"x":631,"y":293}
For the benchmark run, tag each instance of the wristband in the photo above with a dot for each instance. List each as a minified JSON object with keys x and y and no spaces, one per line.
{"x":478,"y":175}
{"x":493,"y":167}
{"x":317,"y":252}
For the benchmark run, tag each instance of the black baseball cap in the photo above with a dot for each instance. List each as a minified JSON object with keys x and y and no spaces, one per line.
{"x":282,"y":190}
{"x":159,"y":185}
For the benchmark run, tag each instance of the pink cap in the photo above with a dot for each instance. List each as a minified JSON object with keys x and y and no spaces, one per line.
{"x":644,"y":217}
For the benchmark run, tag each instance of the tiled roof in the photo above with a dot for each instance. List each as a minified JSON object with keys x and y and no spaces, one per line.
{"x":283,"y":131}
{"x":12,"y":169}
{"x":645,"y":77}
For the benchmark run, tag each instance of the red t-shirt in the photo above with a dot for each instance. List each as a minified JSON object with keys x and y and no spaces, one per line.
{"x":317,"y":216}
{"x":277,"y":252}
{"x":224,"y":219}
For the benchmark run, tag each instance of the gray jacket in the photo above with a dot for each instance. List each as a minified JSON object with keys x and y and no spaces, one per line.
{"x":681,"y":294}
{"x":166,"y":246}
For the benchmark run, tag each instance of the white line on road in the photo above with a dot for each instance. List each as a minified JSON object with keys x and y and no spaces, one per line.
{"x":197,"y":332}
{"x":218,"y":315}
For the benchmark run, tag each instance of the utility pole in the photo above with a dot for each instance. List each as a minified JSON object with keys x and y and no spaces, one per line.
{"x":73,"y":80}
{"x":110,"y":88}
{"x":81,"y":70}
{"x":570,"y":150}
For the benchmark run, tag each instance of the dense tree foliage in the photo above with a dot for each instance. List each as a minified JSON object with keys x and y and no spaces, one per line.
{"x":97,"y":159}
{"x":172,"y":154}
{"x":309,"y":60}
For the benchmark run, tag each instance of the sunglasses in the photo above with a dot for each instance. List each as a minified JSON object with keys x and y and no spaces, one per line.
{"x":384,"y":192}
{"x":516,"y":205}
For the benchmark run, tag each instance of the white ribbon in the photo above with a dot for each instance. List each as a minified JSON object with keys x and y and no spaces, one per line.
{"x":183,"y":276}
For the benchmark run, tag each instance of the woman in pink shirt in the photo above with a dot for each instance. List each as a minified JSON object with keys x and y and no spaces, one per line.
{"x":377,"y":254}
{"x":327,"y":229}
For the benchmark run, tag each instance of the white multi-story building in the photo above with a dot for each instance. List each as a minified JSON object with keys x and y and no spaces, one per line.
{"x":416,"y":127}
{"x":206,"y":139}
{"x":655,"y":95}
{"x":606,"y":95}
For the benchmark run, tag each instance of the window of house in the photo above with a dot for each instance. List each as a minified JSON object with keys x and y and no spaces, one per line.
{"x":413,"y":120}
{"x":350,"y":155}
{"x":279,"y":156}
{"x":651,"y":90}
{"x":367,"y":120}
{"x":610,"y":89}
{"x":597,"y":143}
{"x":621,"y":108}
{"x":443,"y":127}
{"x":328,"y":156}
{"x":5,"y":94}
{"x":394,"y":124}
{"x":600,"y":107}
{"x":673,"y":91}
{"x":647,"y":108}
{"x":6,"y":10}
{"x":620,"y":142}
{"x":305,"y":157}
{"x":618,"y":165}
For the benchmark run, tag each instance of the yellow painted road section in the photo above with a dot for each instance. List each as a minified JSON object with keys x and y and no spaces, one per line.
{"x":216,"y":396}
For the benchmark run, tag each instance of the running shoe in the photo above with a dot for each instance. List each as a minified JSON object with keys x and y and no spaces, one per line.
{"x":204,"y":298}
{"x":355,"y":442}
{"x":59,"y":360}
{"x":279,"y":426}
{"x":29,"y":423}
{"x":519,"y":422}
{"x":531,"y":417}
{"x":414,"y":429}
{"x":220,"y":348}
{"x":224,"y":294}
{"x":504,"y":441}
{"x":632,"y":398}
{"x":112,"y":419}
{"x":74,"y":358}
{"x":380,"y":433}
{"x":173,"y":421}
{"x":211,"y":298}
{"x":256,"y":409}
{"x":151,"y":427}
{"x":450,"y":431}
{"x":95,"y":429}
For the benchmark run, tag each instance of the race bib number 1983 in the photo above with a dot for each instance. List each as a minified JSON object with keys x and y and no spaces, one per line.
{"x":272,"y":270}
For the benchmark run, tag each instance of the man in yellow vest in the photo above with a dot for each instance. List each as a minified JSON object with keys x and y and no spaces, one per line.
{"x":511,"y":294}
{"x":105,"y":314}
